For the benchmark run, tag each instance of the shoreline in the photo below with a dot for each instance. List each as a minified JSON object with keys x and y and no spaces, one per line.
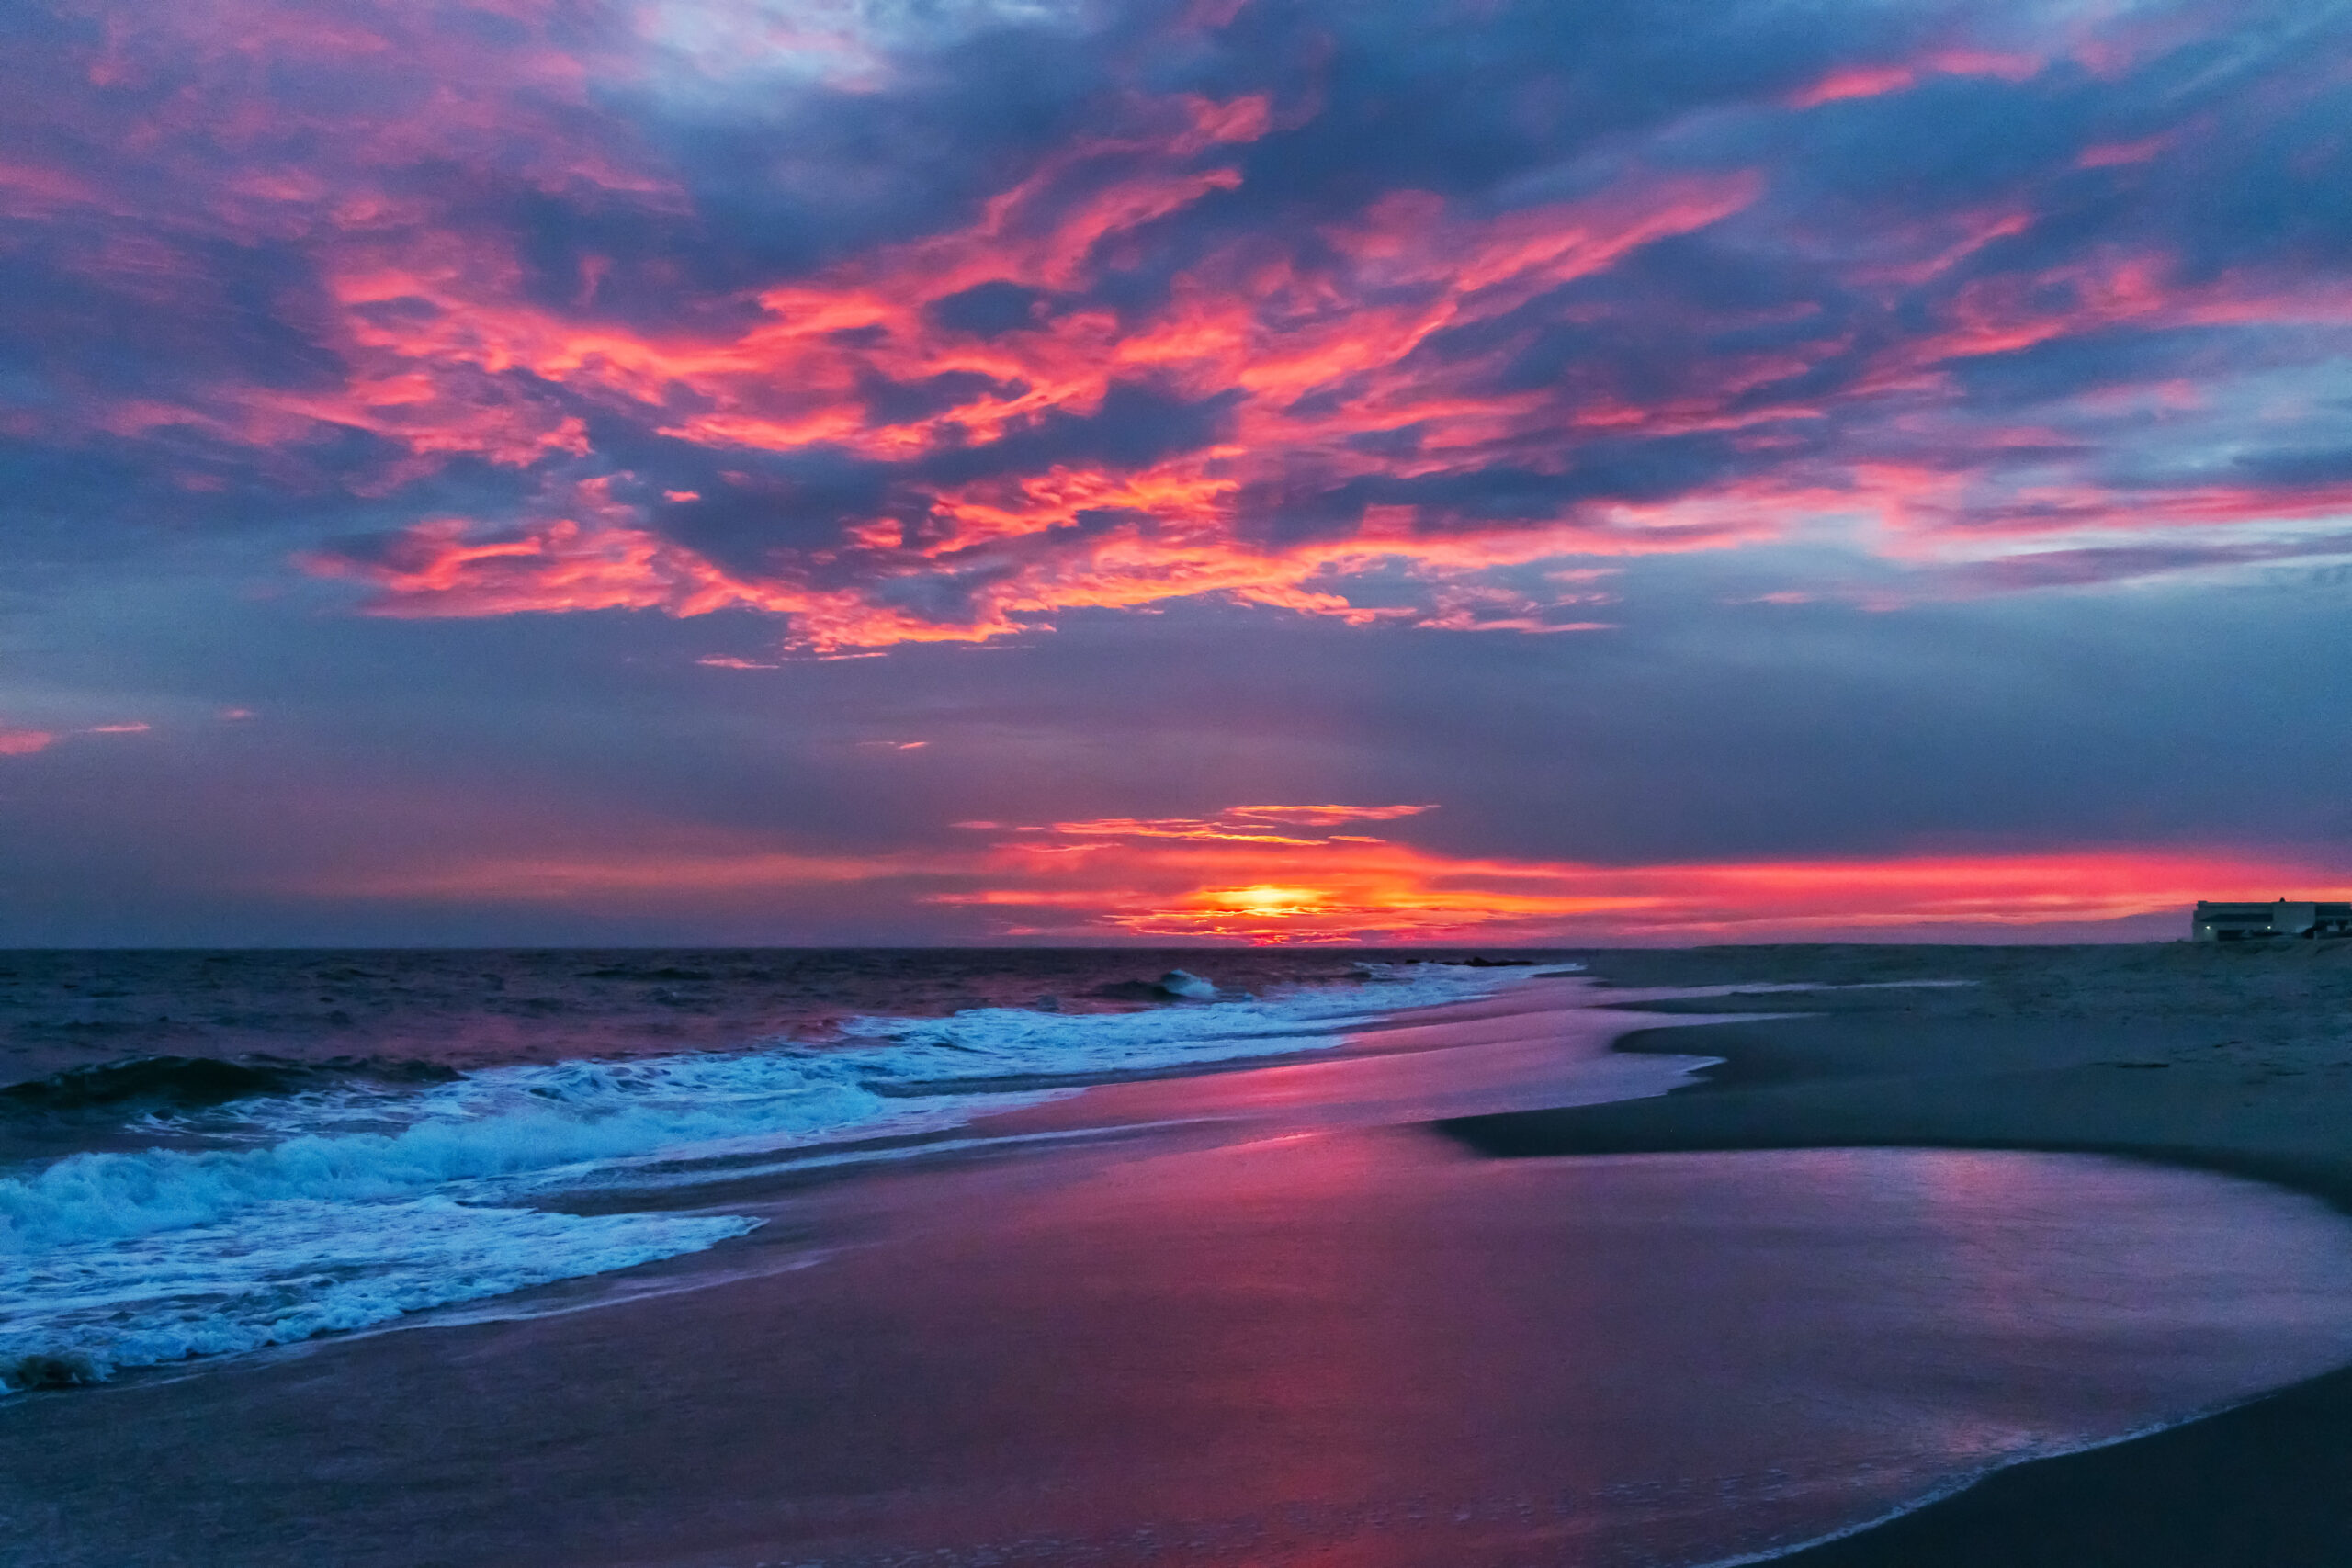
{"x":1153,"y":1231}
{"x":1227,"y":1316}
{"x":2221,"y":1060}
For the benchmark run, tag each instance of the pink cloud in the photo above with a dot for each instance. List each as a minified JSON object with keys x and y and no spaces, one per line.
{"x":2111,"y":155}
{"x":1871,"y":81}
{"x":1854,"y":82}
{"x":796,"y":381}
{"x":1390,"y":349}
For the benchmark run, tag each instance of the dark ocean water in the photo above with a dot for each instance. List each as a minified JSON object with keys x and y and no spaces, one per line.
{"x":203,"y":1153}
{"x":481,"y":1006}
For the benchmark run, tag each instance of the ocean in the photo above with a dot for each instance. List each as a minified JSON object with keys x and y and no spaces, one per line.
{"x":216,"y":1152}
{"x":709,"y":1259}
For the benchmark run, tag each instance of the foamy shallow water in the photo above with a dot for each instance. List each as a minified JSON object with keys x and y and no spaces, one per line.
{"x":275,"y":1218}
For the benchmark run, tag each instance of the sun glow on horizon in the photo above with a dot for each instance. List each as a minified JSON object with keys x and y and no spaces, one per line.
{"x":1215,"y":878}
{"x":1268,"y":901}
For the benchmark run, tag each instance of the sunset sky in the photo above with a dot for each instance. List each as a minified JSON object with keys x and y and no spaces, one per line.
{"x":814,"y":471}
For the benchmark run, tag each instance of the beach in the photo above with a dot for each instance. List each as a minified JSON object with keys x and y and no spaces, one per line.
{"x":1543,"y":1269}
{"x":2234,"y":1058}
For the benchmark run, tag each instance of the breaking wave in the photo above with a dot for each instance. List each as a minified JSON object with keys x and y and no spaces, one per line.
{"x":317,"y":1208}
{"x":299,"y":1267}
{"x":188,"y":1083}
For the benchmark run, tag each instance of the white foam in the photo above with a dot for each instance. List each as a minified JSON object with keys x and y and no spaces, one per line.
{"x":1191,"y":986}
{"x":296,"y":1267}
{"x":335,"y":1210}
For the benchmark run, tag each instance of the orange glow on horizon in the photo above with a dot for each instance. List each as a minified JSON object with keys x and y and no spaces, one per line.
{"x":1184,"y":879}
{"x":1264,"y":901}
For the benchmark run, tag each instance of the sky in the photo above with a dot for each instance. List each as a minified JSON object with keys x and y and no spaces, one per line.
{"x":1038,"y":471}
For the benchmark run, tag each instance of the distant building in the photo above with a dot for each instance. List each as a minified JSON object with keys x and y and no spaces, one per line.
{"x":2247,"y":922}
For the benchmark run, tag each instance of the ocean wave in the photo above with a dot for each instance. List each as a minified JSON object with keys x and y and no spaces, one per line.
{"x":432,"y":1172}
{"x":376,"y":1142}
{"x":299,"y":1268}
{"x":185,"y":1083}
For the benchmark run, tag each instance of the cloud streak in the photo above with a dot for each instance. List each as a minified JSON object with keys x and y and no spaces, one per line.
{"x":1211,"y":317}
{"x":1227,"y":877}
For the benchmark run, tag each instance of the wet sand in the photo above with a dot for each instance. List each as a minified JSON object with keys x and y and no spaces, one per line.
{"x":1261,"y":1316}
{"x":2235,"y":1059}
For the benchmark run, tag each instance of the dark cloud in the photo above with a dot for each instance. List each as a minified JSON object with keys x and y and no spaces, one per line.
{"x":1267,"y":356}
{"x":1134,"y":426}
{"x":740,"y":517}
{"x":985,"y":309}
{"x":2327,"y":466}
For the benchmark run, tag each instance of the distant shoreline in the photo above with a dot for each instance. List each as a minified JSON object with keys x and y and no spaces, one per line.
{"x":2235,"y":1060}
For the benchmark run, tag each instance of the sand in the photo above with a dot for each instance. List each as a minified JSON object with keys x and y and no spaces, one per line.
{"x":2235,"y":1059}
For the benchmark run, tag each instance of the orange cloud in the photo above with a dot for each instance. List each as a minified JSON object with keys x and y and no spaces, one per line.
{"x":1026,"y":567}
{"x":1314,"y":347}
{"x":1235,"y":824}
{"x":1266,"y":334}
{"x":1219,"y":878}
{"x":1338,"y":892}
{"x":1375,"y":379}
{"x":1326,"y":815}
{"x":25,"y":743}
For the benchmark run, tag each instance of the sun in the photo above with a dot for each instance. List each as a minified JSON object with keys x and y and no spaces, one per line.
{"x":1265,"y":899}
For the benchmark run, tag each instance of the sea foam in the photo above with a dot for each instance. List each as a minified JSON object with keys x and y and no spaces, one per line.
{"x":297,"y":1268}
{"x":343,"y":1208}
